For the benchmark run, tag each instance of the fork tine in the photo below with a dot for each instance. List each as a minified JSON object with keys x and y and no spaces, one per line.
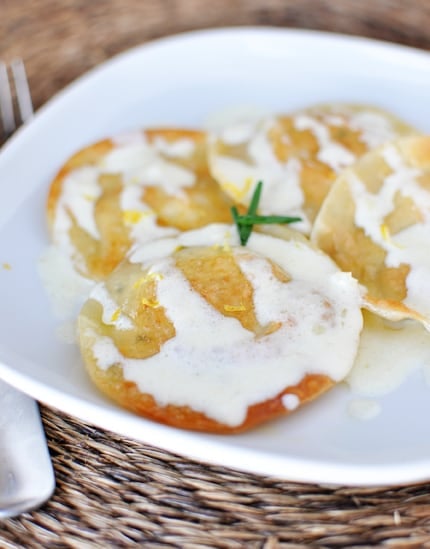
{"x":22,"y":89}
{"x":6,"y":103}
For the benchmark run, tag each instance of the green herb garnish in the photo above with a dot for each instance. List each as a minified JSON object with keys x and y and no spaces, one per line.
{"x":246,"y":221}
{"x":266,"y":219}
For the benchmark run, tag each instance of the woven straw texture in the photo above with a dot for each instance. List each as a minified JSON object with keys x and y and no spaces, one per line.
{"x":115,"y":492}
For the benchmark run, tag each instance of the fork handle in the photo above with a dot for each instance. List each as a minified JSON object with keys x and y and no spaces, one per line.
{"x":26,"y":473}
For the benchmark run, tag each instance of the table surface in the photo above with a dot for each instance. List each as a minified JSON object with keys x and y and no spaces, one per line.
{"x":112,"y":491}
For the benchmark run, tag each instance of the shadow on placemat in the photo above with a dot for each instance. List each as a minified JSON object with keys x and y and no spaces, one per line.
{"x":114,"y":492}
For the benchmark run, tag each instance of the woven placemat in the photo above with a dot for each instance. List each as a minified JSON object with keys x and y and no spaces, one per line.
{"x":115,"y":492}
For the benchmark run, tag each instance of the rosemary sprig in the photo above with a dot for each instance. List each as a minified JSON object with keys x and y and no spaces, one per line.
{"x":246,"y":222}
{"x":266,"y":219}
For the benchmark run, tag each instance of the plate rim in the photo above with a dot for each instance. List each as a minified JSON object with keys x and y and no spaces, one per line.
{"x":298,"y":32}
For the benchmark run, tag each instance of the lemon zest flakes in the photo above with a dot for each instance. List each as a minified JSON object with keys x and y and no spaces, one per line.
{"x":249,"y":181}
{"x":225,"y":246}
{"x":178,"y":248}
{"x":115,"y":315}
{"x":385,"y":232}
{"x":232,"y":190}
{"x":147,"y":278}
{"x":89,"y":197}
{"x":132,"y":217}
{"x":238,"y":193}
{"x":235,"y":308}
{"x":386,"y":235}
{"x":150,"y":303}
{"x":7,"y":266}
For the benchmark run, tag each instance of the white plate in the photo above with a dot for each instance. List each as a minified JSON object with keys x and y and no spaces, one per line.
{"x":179,"y":81}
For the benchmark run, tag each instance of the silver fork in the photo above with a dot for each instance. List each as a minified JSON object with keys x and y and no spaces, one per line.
{"x":26,"y":473}
{"x":23,"y":96}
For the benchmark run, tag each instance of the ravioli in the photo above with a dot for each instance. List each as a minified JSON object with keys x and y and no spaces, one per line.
{"x":298,"y":155}
{"x":128,"y":190}
{"x":200,"y":333}
{"x":375,"y":223}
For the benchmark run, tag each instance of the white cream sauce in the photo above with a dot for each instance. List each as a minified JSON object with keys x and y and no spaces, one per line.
{"x":111,"y":316}
{"x":66,"y":289}
{"x":179,"y":148}
{"x":409,"y":246}
{"x":282,"y":194}
{"x":238,"y":134}
{"x":364,"y":409}
{"x":388,"y":353}
{"x":222,"y":367}
{"x":79,"y":194}
{"x":290,"y":401}
{"x":334,"y":119}
{"x":375,"y":129}
{"x":333,"y":154}
{"x":235,"y":124}
{"x":140,"y":220}
{"x":139,"y":164}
